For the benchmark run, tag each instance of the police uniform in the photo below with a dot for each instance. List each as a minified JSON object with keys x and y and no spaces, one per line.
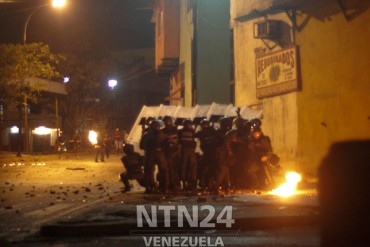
{"x":238,"y":146}
{"x":258,"y":169}
{"x":133,"y":163}
{"x":188,"y":172}
{"x":207,"y":166}
{"x":171,"y":150}
{"x":152,"y":142}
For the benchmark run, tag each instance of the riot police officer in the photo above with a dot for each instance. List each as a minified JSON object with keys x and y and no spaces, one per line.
{"x":206,"y":167}
{"x":152,"y":142}
{"x":133,"y":163}
{"x":172,"y":152}
{"x":238,"y":139}
{"x":188,"y":173}
{"x":260,"y":153}
{"x":222,"y":155}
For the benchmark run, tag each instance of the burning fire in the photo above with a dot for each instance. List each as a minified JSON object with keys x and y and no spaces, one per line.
{"x":289,"y":187}
{"x":93,"y":137}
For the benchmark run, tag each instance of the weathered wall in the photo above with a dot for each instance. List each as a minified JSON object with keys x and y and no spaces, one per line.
{"x":280,"y":112}
{"x":213,"y":51}
{"x":171,"y":28}
{"x":186,"y":36}
{"x":335,"y":101}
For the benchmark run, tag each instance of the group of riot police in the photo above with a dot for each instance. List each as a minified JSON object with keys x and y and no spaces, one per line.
{"x":234,"y":154}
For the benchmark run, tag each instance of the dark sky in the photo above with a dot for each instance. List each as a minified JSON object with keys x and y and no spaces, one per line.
{"x":113,"y":24}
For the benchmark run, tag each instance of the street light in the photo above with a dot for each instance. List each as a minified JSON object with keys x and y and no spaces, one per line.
{"x":112,"y":83}
{"x":54,"y":3}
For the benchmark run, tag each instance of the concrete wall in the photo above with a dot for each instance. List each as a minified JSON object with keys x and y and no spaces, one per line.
{"x":213,"y":51}
{"x":171,"y":28}
{"x":166,"y":18}
{"x":280,"y":112}
{"x":186,"y":37}
{"x":159,"y":34}
{"x":333,"y":103}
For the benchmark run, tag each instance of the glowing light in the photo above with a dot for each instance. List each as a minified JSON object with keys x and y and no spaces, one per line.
{"x":42,"y":130}
{"x":93,"y":137}
{"x":289,"y":187}
{"x":58,"y":3}
{"x":14,"y":130}
{"x":112,"y":83}
{"x":65,"y":80}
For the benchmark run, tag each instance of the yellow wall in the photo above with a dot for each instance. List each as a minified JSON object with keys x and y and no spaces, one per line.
{"x":186,"y":36}
{"x":334,"y":103}
{"x":171,"y":29}
{"x":335,"y":61}
{"x":280,"y":112}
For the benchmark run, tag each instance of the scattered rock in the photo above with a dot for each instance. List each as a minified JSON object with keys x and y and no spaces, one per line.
{"x":76,"y":169}
{"x":87,"y":190}
{"x":8,"y":207}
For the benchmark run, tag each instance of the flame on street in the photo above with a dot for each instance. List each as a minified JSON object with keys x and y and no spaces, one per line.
{"x":93,"y":137}
{"x":289,"y":187}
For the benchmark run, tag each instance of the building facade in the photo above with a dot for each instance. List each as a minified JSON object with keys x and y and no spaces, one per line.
{"x":203,"y":55}
{"x":306,"y":63}
{"x":33,"y":130}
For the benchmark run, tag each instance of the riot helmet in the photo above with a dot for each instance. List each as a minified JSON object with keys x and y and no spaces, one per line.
{"x":187,"y":123}
{"x":128,"y":148}
{"x":168,"y":121}
{"x":149,"y":121}
{"x":204,"y":123}
{"x":255,"y":122}
{"x":225,"y":123}
{"x":158,"y":124}
{"x":238,"y":122}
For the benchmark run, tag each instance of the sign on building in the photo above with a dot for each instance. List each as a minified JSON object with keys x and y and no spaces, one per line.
{"x":277,"y":73}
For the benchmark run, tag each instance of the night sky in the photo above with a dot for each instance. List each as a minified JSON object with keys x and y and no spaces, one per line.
{"x":109,"y":24}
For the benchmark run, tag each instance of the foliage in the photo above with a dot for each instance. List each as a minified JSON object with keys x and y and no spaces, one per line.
{"x":88,"y":95}
{"x":19,"y":63}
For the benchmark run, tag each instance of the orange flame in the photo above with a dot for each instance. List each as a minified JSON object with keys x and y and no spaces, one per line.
{"x":93,"y":137}
{"x":289,"y":187}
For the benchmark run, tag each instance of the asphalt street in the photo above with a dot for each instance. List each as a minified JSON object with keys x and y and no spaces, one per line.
{"x":46,"y":201}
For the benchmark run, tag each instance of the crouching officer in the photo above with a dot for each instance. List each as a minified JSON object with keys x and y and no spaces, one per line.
{"x":133,"y":163}
{"x":260,"y":148}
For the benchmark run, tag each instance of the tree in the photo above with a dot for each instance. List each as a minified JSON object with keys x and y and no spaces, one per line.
{"x":86,"y":105}
{"x":18,"y":63}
